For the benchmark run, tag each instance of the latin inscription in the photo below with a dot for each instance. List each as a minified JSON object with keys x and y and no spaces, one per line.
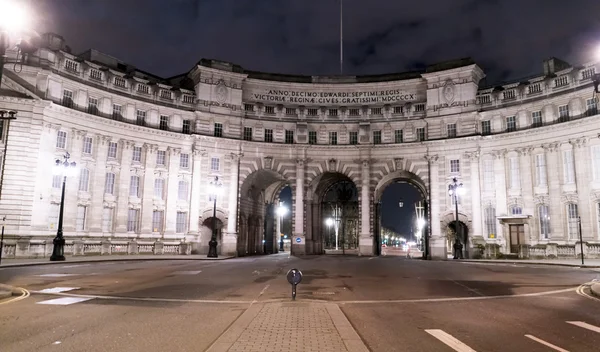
{"x":359,"y":97}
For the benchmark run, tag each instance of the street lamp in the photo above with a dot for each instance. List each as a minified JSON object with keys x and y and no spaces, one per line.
{"x":214,"y":190}
{"x":456,"y":189}
{"x":281,"y":211}
{"x":65,"y":169}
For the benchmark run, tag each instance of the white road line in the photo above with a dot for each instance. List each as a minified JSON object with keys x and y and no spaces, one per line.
{"x":449,"y":340}
{"x":75,"y":266}
{"x":189,"y":272}
{"x":554,"y":347}
{"x":57,"y":275}
{"x":585,"y":326}
{"x":263,"y":290}
{"x":58,"y":289}
{"x":65,"y":301}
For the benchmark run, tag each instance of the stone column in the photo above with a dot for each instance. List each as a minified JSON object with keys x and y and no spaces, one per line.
{"x":475,"y":191}
{"x":172,"y":193}
{"x":122,"y":186}
{"x":229,"y":241}
{"x":198,"y":154}
{"x":582,"y":178}
{"x":365,"y":243}
{"x":437,"y":241}
{"x":500,"y":184}
{"x":527,"y":168}
{"x":72,"y":185}
{"x":554,"y":203}
{"x":303,"y":246}
{"x":96,"y":210}
{"x":148,"y":191}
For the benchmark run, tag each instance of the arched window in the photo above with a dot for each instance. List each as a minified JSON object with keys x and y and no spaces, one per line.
{"x":516,"y":210}
{"x":490,"y":221}
{"x":544,"y":216}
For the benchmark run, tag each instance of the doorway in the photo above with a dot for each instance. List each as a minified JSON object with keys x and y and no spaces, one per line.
{"x":516,"y":237}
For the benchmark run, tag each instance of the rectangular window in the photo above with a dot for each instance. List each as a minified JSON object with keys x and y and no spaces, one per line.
{"x":486,"y":128}
{"x":490,"y":221}
{"x":333,"y":112}
{"x":515,"y":180}
{"x":289,"y":137}
{"x":95,"y":74}
{"x":157,"y":221}
{"x":109,"y":184}
{"x":61,"y":139}
{"x":419,"y":107}
{"x":53,"y":216}
{"x":354,"y":112}
{"x":81,"y":217}
{"x":215,"y":164}
{"x":67,"y":99}
{"x":107,"y":220}
{"x":376,"y":111}
{"x":544,"y":215}
{"x":92,"y":106}
{"x":120,"y":82}
{"x":536,"y":119}
{"x":376,"y":137}
{"x":247,"y":133}
{"x":511,"y":124}
{"x":164,"y":122}
{"x":312,"y":137}
{"x":87,"y":145}
{"x":398,"y":136}
{"x":84,"y":180}
{"x":596,"y":161}
{"x":134,"y":186}
{"x":137,"y":154}
{"x":516,"y":210}
{"x":353,"y":138}
{"x":218,"y":132}
{"x":182,"y":190}
{"x":166,"y":94}
{"x":451,"y":129}
{"x":161,"y":157}
{"x":421,"y":134}
{"x":248,"y":108}
{"x":540,"y":170}
{"x":397,"y":110}
{"x":573,"y":221}
{"x":112,"y":150}
{"x":563,"y":113}
{"x":181,"y":221}
{"x":534,"y":88}
{"x":290,"y":111}
{"x":568,"y":166}
{"x":133,"y":220}
{"x":117,"y":112}
{"x":184,"y":161}
{"x":312,"y":112}
{"x":268,"y":135}
{"x":333,"y":138}
{"x":140,"y":118}
{"x":454,"y":166}
{"x":159,"y":188}
{"x":270,"y":110}
{"x":187,"y":127}
{"x":142,"y":88}
{"x":591,"y":107}
{"x":57,"y":181}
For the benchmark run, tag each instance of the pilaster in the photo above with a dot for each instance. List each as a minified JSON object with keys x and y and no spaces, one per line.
{"x":555,"y":205}
{"x":527,"y":165}
{"x":198,"y":155}
{"x":366,"y":240}
{"x":582,"y":179}
{"x":148,"y":189}
{"x":304,"y":246}
{"x":475,"y":192}
{"x":72,"y":184}
{"x":230,"y":237}
{"x":97,"y":186}
{"x":122,"y":187}
{"x":437,"y":242}
{"x":172,"y":192}
{"x":501,"y":188}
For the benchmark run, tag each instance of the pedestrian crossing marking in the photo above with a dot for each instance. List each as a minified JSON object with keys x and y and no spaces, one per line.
{"x":585,"y":326}
{"x":57,"y":275}
{"x":65,"y":301}
{"x":58,"y":289}
{"x":449,"y":340}
{"x":545,"y":343}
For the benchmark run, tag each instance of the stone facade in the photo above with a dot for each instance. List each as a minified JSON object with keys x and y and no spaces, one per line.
{"x":147,"y":149}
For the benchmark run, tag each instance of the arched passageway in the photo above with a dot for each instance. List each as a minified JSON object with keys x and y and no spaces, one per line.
{"x":206,"y":230}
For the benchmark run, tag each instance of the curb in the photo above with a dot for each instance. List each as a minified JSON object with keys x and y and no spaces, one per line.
{"x":7,"y":291}
{"x":528,"y":263}
{"x":595,"y":289}
{"x":108,"y":259}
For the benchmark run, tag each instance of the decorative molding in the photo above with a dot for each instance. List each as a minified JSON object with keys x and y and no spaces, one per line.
{"x":551,"y":147}
{"x":399,"y":164}
{"x":579,"y":142}
{"x":268,"y":162}
{"x":472,"y":156}
{"x":300,"y":162}
{"x":525,"y":151}
{"x":332,"y":164}
{"x":198,"y":151}
{"x":541,"y":199}
{"x":570,"y":197}
{"x":432,"y":159}
{"x":173,"y":151}
{"x":499,"y":154}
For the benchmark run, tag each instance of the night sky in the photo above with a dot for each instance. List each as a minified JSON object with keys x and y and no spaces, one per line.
{"x":508,"y":38}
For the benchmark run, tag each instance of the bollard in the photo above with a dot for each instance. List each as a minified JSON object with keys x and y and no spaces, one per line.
{"x":294,"y":277}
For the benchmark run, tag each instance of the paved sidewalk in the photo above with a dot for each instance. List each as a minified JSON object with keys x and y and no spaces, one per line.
{"x":283,"y":327}
{"x":102,"y":258}
{"x":589,"y":263}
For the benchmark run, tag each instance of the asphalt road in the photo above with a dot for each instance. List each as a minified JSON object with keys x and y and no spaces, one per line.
{"x":394,"y":303}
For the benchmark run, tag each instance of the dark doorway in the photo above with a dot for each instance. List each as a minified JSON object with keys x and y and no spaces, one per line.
{"x":206,"y":233}
{"x":517,"y":237}
{"x":340,"y":211}
{"x":463,"y":236}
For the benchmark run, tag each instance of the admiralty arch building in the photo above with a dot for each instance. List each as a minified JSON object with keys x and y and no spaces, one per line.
{"x":148,"y":148}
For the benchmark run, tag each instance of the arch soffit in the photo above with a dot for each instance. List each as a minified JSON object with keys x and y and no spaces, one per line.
{"x":449,"y":216}
{"x":207,"y":213}
{"x":400,"y":176}
{"x":323,"y":181}
{"x":261,"y":179}
{"x":273,"y":191}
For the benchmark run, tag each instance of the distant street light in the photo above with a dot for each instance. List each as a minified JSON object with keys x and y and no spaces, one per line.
{"x":65,"y":169}
{"x":456,"y":189}
{"x":214,"y":190}
{"x":281,"y":211}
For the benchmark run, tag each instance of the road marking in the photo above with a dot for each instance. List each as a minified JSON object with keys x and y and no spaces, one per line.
{"x":585,"y":326}
{"x":58,"y":289}
{"x":554,"y":347}
{"x":189,"y":272}
{"x":449,"y":340}
{"x":263,"y":290}
{"x":24,"y":294}
{"x":64,"y":301}
{"x":75,"y":266}
{"x":57,"y":275}
{"x":581,"y":291}
{"x":467,"y":287}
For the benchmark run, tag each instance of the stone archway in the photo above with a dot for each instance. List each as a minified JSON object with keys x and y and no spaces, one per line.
{"x":412,"y":179}
{"x":205,"y":230}
{"x":448,"y":225}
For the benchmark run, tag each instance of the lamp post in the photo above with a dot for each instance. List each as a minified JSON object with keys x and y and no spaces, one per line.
{"x":337,"y":219}
{"x":214,"y":190}
{"x":62,"y":168}
{"x":281,"y":211}
{"x":454,"y":190}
